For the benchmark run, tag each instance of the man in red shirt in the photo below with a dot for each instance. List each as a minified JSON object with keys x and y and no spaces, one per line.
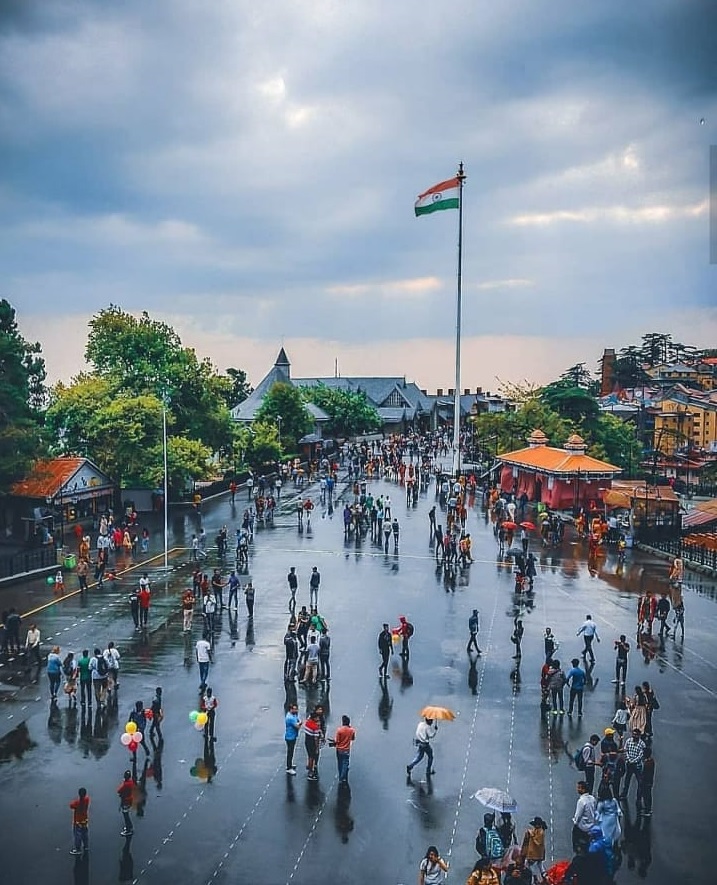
{"x":80,"y":821}
{"x":144,"y":595}
{"x":344,"y":737}
{"x":125,"y":791}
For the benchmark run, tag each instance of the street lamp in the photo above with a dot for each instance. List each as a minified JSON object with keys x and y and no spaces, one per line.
{"x":279,"y":419}
{"x":165,"y":399}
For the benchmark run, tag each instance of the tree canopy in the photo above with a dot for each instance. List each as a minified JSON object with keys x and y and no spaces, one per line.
{"x":22,"y":394}
{"x":284,"y":405}
{"x":350,"y":413}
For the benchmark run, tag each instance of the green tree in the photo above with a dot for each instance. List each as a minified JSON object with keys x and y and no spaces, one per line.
{"x":509,"y":431}
{"x":240,"y":387}
{"x":350,"y":413}
{"x":22,"y":373}
{"x":145,"y":356}
{"x":571,"y":402}
{"x":284,"y":404}
{"x":187,"y":460}
{"x":266,"y":446}
{"x":615,"y":441}
{"x":628,"y":370}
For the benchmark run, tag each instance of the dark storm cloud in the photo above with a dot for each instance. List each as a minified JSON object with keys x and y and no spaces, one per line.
{"x":264,"y":157}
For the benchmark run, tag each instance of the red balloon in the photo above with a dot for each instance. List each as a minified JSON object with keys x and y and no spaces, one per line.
{"x":133,"y":747}
{"x":148,"y":714}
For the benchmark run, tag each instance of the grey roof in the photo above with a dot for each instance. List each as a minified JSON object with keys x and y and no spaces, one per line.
{"x":316,"y":413}
{"x":246,"y":410}
{"x":377,"y":389}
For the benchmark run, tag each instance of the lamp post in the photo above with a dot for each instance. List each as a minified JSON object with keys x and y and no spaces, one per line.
{"x":165,"y":398}
{"x":279,"y":419}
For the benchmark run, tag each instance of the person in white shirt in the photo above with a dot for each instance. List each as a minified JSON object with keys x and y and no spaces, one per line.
{"x":589,"y":631}
{"x":112,"y":656}
{"x":32,"y":647}
{"x":425,"y":733}
{"x":204,"y":656}
{"x":584,"y":818}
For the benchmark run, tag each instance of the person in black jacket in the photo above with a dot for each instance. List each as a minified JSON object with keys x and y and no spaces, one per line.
{"x":385,"y":647}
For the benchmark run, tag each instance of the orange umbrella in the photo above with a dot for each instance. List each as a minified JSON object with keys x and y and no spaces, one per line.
{"x":438,"y":713}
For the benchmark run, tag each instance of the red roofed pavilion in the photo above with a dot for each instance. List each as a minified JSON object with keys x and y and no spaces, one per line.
{"x":562,"y":479}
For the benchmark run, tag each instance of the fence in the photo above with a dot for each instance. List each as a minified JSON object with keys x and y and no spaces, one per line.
{"x":690,"y":553}
{"x":27,"y":561}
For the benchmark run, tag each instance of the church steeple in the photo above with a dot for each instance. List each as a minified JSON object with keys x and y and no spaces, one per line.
{"x":282,"y":361}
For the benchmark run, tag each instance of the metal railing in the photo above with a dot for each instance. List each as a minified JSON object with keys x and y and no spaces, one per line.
{"x":690,"y":553}
{"x":27,"y":561}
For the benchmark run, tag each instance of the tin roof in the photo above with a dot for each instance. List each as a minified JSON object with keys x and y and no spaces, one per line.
{"x":47,"y":478}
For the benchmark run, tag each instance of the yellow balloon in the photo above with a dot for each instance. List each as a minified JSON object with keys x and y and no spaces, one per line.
{"x":202,"y":718}
{"x":131,"y":727}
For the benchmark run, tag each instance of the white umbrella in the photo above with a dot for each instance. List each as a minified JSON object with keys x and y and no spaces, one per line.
{"x":498,"y":800}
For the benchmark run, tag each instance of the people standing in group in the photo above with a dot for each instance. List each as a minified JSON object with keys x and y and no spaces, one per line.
{"x":80,"y":822}
{"x":634,"y":749}
{"x":291,"y":649}
{"x":325,"y":655}
{"x":556,"y":687}
{"x":425,"y":732}
{"x":646,"y":783}
{"x":139,"y":717}
{"x":608,"y":814}
{"x":589,"y":633}
{"x":218,"y":588}
{"x":85,"y":674}
{"x":209,"y":608}
{"x":637,"y":705}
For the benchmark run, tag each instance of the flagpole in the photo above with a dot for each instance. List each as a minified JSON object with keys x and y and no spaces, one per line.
{"x":457,"y":399}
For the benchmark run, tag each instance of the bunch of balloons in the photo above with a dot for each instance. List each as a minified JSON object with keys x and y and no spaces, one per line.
{"x":198,"y":720}
{"x":132,"y":737}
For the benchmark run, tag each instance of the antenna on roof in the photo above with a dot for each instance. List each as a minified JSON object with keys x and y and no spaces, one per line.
{"x":336,"y":367}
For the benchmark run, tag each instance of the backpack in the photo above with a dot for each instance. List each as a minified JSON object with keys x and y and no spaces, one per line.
{"x":102,"y":667}
{"x":493,"y":844}
{"x":579,"y":759}
{"x":410,"y":629}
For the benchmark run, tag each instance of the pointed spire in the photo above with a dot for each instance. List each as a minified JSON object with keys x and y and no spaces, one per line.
{"x":282,"y":359}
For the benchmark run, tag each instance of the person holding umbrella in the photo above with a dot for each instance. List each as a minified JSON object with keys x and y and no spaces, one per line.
{"x":425,"y":733}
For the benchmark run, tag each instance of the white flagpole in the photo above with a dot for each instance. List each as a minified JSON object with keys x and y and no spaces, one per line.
{"x":457,"y":398}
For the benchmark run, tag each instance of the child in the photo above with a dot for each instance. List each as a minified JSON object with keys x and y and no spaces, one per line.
{"x":59,"y":583}
{"x":620,"y":719}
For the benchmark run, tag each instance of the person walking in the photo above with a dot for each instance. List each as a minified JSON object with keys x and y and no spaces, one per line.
{"x":385,"y":647}
{"x":218,"y":588}
{"x":209,"y":608}
{"x":125,"y":791}
{"x":622,"y":650}
{"x":139,"y":717}
{"x":473,"y":630}
{"x":144,"y":596}
{"x":249,"y":595}
{"x":292,"y":726}
{"x":234,"y":584}
{"x":584,"y":817}
{"x":425,"y":732}
{"x":432,"y":867}
{"x":646,"y":783}
{"x":32,"y":649}
{"x":589,"y":632}
{"x":203,"y":652}
{"x":343,"y":739}
{"x":134,"y":607}
{"x":576,"y":678}
{"x":533,"y":848}
{"x":99,"y":671}
{"x":80,"y":822}
{"x":187,"y":610}
{"x":314,"y":583}
{"x":54,"y":671}
{"x":155,"y":727}
{"x":405,"y":630}
{"x":634,"y":749}
{"x":82,"y":571}
{"x":663,"y":612}
{"x":517,"y":637}
{"x":209,"y":705}
{"x":83,"y":669}
{"x":556,"y":686}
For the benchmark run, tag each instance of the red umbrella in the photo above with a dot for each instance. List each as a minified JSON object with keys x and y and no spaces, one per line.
{"x":527,"y":525}
{"x":509,"y":525}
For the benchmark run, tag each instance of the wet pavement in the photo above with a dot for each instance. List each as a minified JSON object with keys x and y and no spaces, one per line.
{"x":250,"y":822}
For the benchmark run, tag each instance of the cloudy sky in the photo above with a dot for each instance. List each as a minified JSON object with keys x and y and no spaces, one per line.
{"x":246,"y":171}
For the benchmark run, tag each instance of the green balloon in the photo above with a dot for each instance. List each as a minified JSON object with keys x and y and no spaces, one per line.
{"x":193,"y":716}
{"x":50,"y":579}
{"x":193,"y":771}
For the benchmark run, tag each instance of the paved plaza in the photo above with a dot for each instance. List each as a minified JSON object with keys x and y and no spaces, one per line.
{"x":250,"y":822}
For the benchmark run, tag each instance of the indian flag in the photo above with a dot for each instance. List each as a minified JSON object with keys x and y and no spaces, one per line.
{"x":440,"y":196}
